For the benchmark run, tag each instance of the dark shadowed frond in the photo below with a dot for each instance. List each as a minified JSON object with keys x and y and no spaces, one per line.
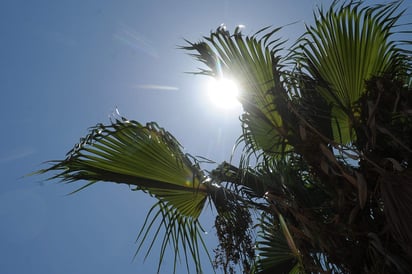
{"x":276,"y":249}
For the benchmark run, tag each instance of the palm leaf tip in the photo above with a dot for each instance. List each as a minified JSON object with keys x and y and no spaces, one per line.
{"x":182,"y":233}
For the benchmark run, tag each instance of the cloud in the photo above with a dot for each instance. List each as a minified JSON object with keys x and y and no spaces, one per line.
{"x":156,"y":87}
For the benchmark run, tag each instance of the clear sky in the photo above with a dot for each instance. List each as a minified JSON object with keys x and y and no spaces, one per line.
{"x":67,"y":65}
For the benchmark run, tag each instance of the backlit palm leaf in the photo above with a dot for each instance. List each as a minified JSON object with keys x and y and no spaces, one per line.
{"x":182,"y":234}
{"x":149,"y":159}
{"x":347,"y":46}
{"x":252,"y":63}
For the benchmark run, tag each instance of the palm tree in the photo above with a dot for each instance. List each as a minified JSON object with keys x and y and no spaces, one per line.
{"x":327,"y":127}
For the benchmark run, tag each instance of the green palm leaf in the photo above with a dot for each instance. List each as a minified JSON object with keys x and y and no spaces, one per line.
{"x":347,"y":46}
{"x":182,"y":234}
{"x":255,"y":66}
{"x":277,"y":251}
{"x":149,"y":159}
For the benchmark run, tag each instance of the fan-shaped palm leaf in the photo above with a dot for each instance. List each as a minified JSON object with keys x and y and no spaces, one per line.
{"x":149,"y":159}
{"x":277,"y":251}
{"x":347,"y":46}
{"x":255,"y":66}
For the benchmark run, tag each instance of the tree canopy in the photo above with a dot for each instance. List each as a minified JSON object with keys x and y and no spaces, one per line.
{"x":324,"y":182}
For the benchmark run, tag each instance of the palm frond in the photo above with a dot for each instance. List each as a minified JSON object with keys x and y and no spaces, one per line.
{"x":396,"y":191}
{"x":245,"y":181}
{"x":347,"y":46}
{"x":149,"y":159}
{"x":146,"y":157}
{"x":183,"y":234}
{"x":277,"y":252}
{"x":253,"y":63}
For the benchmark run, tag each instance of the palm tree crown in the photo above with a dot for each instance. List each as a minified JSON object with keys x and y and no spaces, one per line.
{"x":326,"y":151}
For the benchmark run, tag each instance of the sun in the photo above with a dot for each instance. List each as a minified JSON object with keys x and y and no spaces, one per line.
{"x":223,"y":93}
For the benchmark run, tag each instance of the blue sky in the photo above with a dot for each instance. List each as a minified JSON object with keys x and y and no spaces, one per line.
{"x":67,"y":65}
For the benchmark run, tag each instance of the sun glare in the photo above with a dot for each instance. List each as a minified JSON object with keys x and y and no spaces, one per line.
{"x":223,"y":93}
